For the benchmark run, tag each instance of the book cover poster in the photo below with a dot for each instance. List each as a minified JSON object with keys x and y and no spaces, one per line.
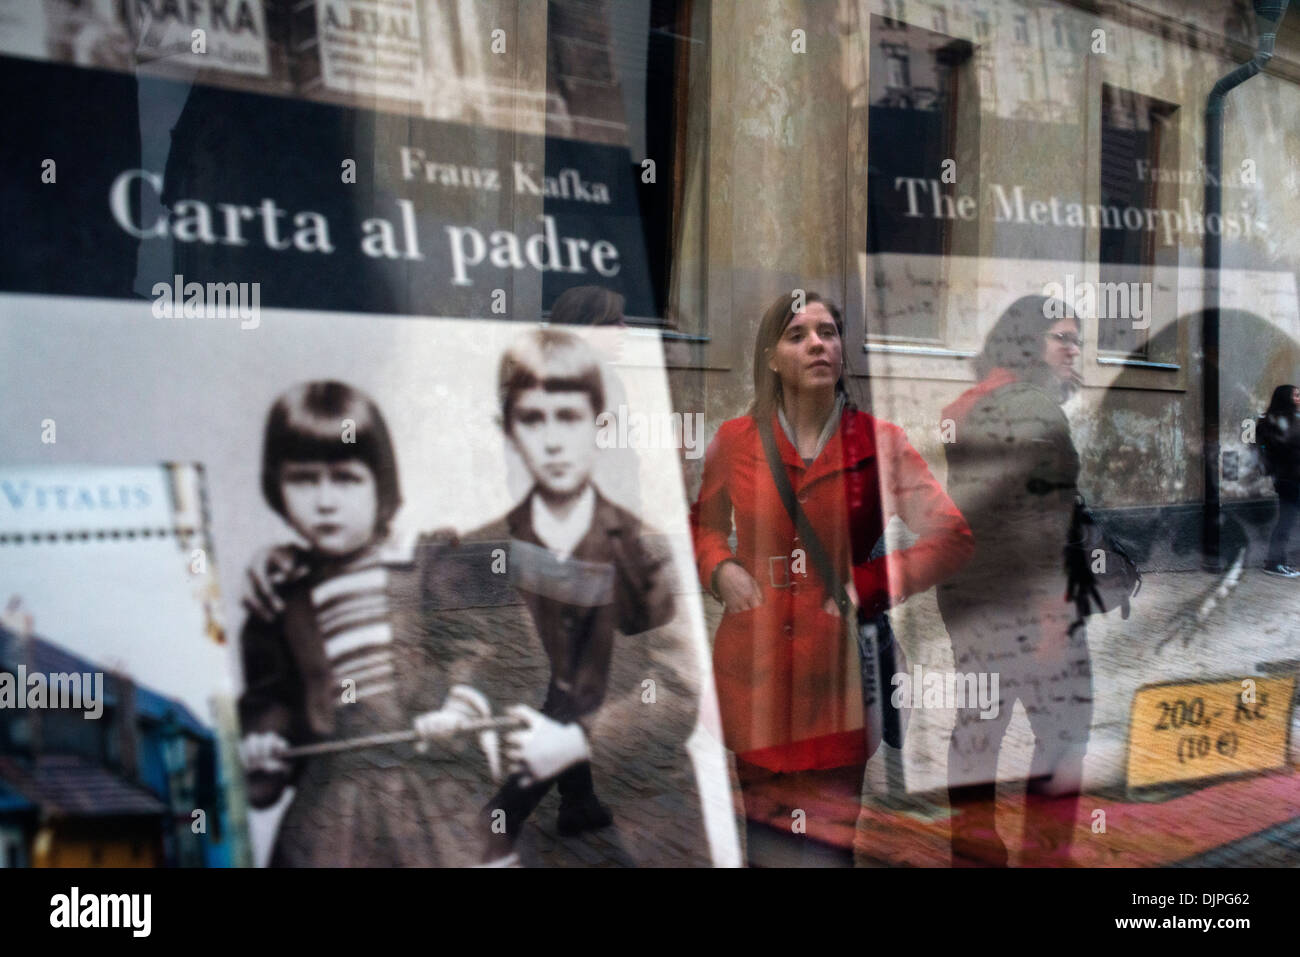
{"x":443,"y":588}
{"x":116,"y":706}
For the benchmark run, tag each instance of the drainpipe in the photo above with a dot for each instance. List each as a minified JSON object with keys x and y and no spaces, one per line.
{"x":1268,"y":13}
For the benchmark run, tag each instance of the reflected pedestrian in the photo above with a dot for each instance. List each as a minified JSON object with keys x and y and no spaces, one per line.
{"x":1278,"y":435}
{"x":1012,"y":470}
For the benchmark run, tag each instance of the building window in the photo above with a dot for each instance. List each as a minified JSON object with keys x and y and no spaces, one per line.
{"x":1139,"y":164}
{"x":982,"y":26}
{"x":1022,"y":29}
{"x":1061,"y":33}
{"x":939,"y":21}
{"x":899,"y":78}
{"x":988,"y":90}
{"x":15,"y":732}
{"x":619,"y":83}
{"x":922,"y":93}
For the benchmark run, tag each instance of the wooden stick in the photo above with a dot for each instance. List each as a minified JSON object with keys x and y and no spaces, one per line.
{"x":471,"y":726}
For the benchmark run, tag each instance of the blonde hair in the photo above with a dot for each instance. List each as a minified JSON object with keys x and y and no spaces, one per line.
{"x":552,"y":359}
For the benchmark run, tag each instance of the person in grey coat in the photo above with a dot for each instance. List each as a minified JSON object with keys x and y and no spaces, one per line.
{"x":1012,"y":471}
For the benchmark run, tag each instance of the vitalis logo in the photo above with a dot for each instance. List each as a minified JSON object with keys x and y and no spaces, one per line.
{"x":75,"y":909}
{"x":63,"y":497}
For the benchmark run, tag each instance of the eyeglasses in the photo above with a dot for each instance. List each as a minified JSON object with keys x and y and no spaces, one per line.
{"x":1066,"y":339}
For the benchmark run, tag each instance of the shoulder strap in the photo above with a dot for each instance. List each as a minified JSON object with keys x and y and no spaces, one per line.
{"x":816,"y":551}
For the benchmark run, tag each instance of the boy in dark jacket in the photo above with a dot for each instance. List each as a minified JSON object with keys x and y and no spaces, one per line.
{"x":583,"y":570}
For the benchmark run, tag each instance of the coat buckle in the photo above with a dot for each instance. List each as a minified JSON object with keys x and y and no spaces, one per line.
{"x":783,"y":562}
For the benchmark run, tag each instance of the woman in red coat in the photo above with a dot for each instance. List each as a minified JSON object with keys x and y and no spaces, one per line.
{"x":785,"y":660}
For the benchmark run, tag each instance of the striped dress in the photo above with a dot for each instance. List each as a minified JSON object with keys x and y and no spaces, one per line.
{"x":374,"y":806}
{"x":352,"y":613}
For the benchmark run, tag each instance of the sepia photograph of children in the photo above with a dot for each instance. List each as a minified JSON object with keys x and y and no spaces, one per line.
{"x":561,"y":617}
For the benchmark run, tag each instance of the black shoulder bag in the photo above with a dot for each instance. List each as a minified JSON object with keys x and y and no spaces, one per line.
{"x":1264,"y":441}
{"x":878,"y":651}
{"x":1102,"y":576}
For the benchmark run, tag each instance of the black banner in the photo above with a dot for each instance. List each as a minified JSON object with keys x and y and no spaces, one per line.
{"x":325,"y":207}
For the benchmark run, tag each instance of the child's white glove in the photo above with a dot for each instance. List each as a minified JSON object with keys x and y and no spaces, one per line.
{"x":545,"y":748}
{"x":463,"y":704}
{"x":262,"y":752}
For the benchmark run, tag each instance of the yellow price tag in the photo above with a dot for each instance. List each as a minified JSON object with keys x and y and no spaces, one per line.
{"x":1188,"y":730}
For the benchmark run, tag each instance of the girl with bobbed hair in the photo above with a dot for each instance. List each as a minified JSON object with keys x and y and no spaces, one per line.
{"x":345,"y":653}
